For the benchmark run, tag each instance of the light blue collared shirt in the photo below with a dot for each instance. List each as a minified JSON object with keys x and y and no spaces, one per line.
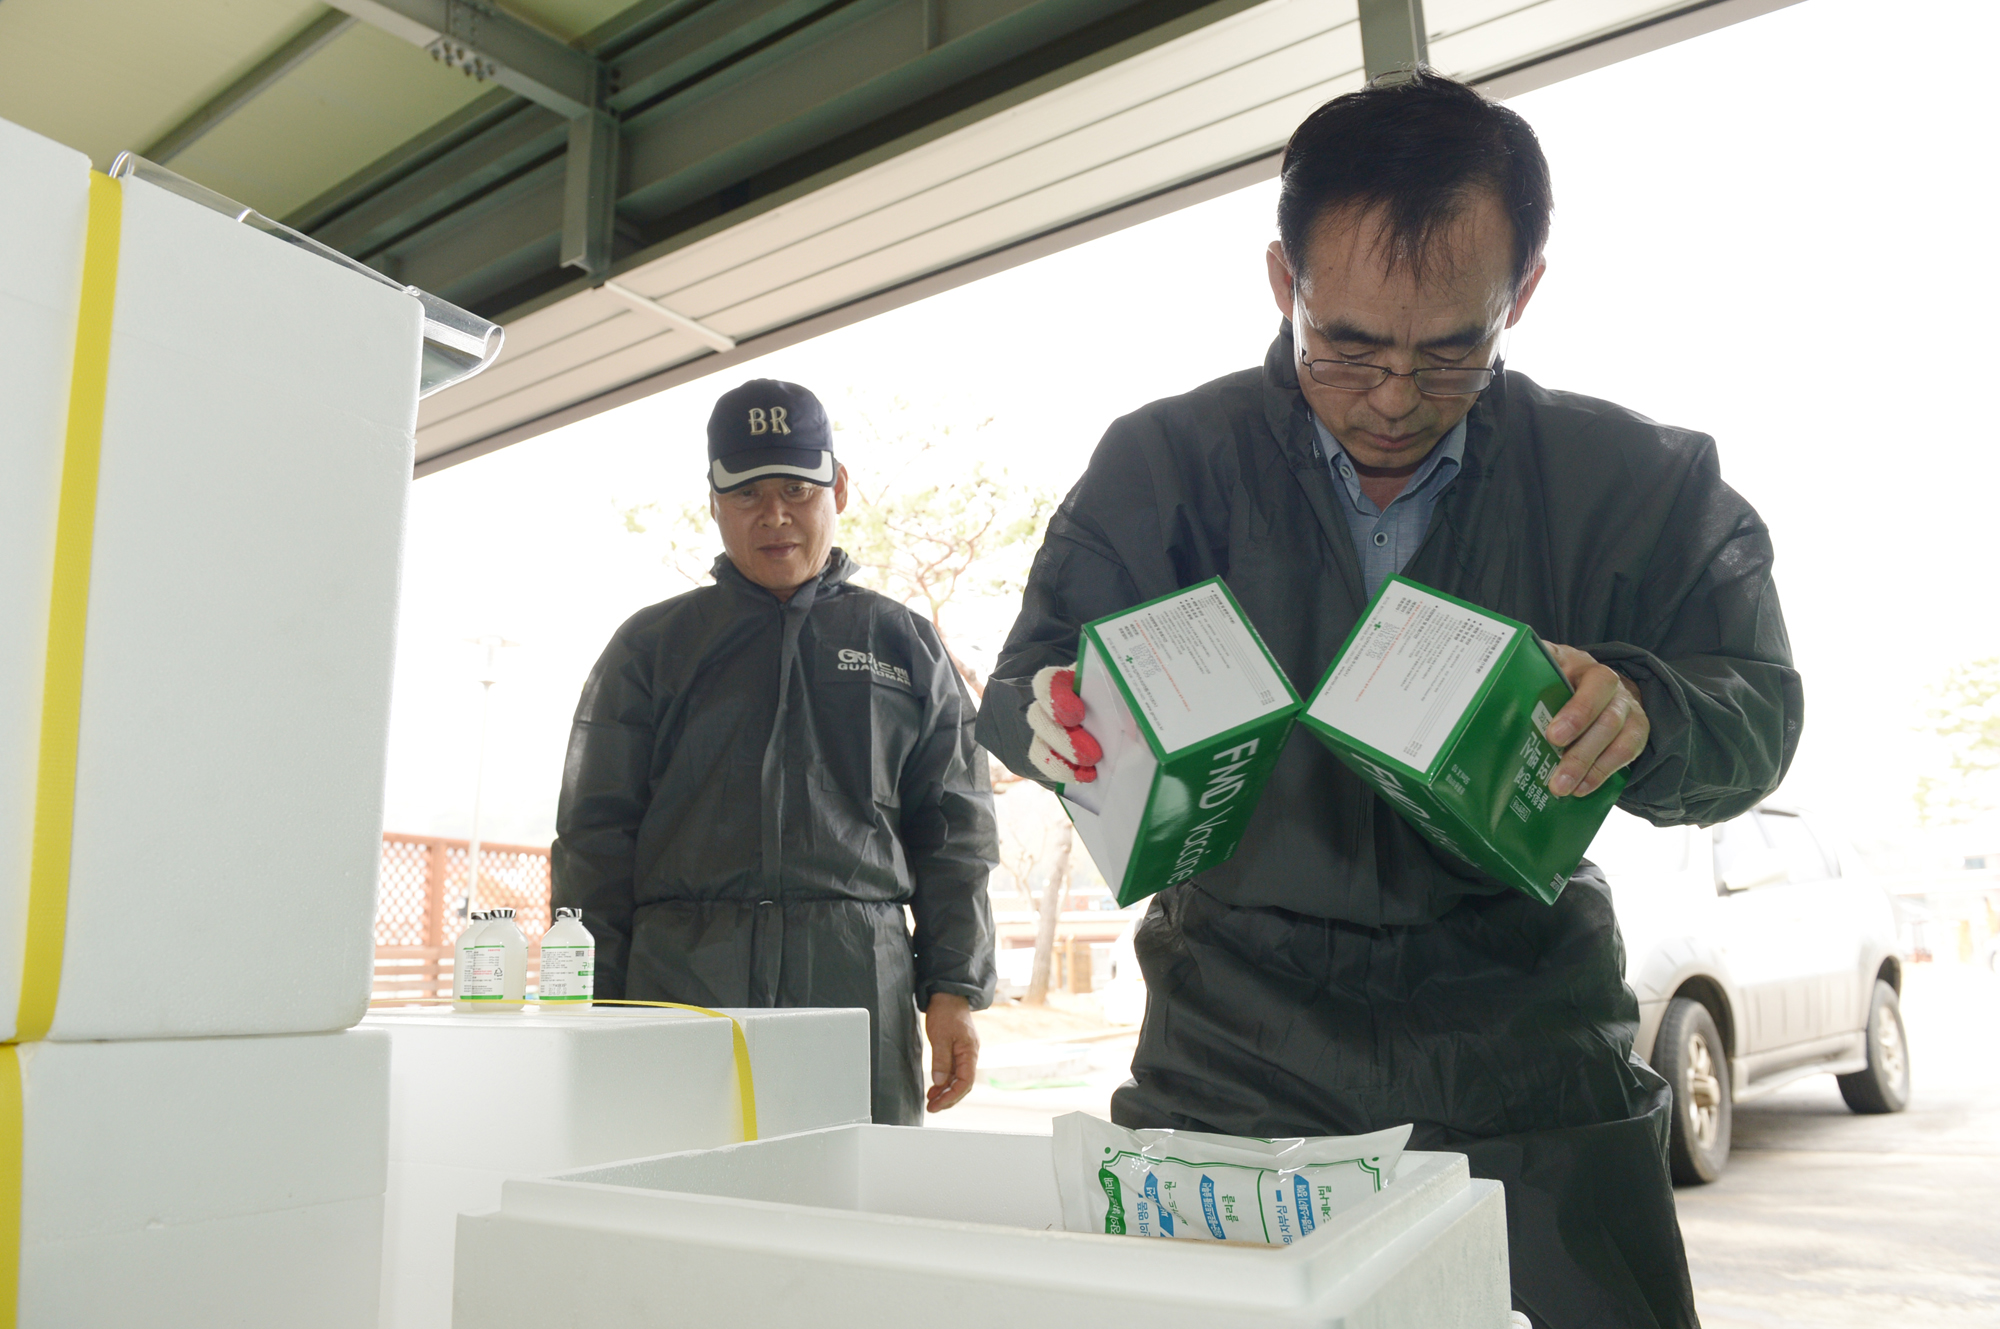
{"x":1385,"y":540}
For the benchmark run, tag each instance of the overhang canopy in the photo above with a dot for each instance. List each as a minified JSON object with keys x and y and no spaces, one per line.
{"x":646,"y":192}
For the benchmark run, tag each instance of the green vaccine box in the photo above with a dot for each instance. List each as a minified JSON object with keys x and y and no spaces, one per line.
{"x":1443,"y":708}
{"x":1192,"y":712}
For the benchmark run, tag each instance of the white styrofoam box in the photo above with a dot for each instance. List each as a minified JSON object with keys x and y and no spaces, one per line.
{"x":887,"y":1227}
{"x":44,"y":200}
{"x":479,"y":1097}
{"x":204,"y":1182}
{"x":241,"y":625}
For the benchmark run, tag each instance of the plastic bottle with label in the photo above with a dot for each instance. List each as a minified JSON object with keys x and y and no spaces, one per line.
{"x":514,"y":966}
{"x":569,"y":958}
{"x":474,"y":978}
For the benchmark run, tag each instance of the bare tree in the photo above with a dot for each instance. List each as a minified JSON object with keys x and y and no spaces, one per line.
{"x":1965,"y":719}
{"x":1021,"y":846}
{"x":936,"y":522}
{"x":1053,"y":891}
{"x":686,"y":535}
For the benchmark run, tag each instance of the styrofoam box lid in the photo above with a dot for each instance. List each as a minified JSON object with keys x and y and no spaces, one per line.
{"x":246,"y":553}
{"x":585,"y":1087}
{"x":973,"y":1202}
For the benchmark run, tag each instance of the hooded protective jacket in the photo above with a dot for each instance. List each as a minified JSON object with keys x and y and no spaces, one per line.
{"x":1340,"y":974}
{"x":756,"y":788}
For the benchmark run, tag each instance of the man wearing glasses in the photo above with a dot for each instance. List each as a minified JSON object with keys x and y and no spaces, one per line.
{"x":765,"y":772}
{"x":1340,"y":974}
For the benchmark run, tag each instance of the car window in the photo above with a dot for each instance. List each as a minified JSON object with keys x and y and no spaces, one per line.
{"x":1629,"y":846}
{"x":1790,"y":836}
{"x":1738,"y":845}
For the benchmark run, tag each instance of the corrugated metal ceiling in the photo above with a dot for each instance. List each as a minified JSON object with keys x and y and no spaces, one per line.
{"x":783,"y":166}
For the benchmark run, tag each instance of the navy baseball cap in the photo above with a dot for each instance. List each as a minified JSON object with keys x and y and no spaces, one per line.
{"x":768,"y":427}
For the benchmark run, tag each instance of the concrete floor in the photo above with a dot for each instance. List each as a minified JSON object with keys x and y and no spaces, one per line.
{"x":1824,"y":1219}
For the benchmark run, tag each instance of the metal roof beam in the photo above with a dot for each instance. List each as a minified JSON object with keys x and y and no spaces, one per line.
{"x":1026,"y":251}
{"x":1393,"y":36}
{"x":709,"y":337}
{"x":501,"y":147}
{"x":297,"y":49}
{"x":709,"y":106}
{"x":590,"y":194}
{"x":712,"y":36}
{"x":487,"y":43}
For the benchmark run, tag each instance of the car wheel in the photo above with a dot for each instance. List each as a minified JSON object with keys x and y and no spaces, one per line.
{"x":1885,"y":1085}
{"x":1689,"y":1054}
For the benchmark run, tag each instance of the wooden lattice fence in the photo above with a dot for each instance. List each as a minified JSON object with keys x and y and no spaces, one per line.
{"x":420,"y":909}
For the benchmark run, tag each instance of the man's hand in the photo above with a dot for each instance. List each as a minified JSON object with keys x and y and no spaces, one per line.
{"x":954,"y":1049}
{"x":1062,"y":748}
{"x":1603,"y":728}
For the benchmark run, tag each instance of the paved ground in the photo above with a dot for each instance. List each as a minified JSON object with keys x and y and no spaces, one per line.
{"x":1824,"y":1219}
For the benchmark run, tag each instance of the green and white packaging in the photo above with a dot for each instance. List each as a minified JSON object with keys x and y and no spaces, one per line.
{"x":1192,"y":712}
{"x":1443,"y":708}
{"x":1190,"y":1186}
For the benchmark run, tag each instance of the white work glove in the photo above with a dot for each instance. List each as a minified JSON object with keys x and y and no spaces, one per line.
{"x":1062,"y":748}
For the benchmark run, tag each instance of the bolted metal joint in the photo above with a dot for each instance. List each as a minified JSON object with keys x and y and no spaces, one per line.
{"x":454,"y":55}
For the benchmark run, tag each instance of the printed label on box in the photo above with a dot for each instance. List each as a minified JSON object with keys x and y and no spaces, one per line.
{"x":1444,"y":709}
{"x":1417,"y":662}
{"x":1192,"y":713}
{"x":1192,"y":666}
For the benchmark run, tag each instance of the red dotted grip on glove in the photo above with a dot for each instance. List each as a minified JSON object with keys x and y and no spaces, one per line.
{"x":1066,"y":706}
{"x":1062,"y":748}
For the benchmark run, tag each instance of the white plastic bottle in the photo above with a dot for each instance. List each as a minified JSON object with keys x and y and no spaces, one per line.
{"x":569,"y":958}
{"x":514,"y":966}
{"x":474,"y":977}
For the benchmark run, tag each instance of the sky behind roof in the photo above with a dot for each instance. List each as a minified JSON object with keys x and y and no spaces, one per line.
{"x":1775,"y":234}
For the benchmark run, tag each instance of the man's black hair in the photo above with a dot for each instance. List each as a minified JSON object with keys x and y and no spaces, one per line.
{"x":1418,"y":151}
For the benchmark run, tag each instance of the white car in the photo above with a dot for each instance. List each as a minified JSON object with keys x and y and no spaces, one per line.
{"x":1761,"y":952}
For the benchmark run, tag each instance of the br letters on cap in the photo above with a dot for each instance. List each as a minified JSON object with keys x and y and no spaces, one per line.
{"x":769,"y":427}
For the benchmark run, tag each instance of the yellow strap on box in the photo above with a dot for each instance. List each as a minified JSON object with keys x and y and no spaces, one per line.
{"x":746,"y":1083}
{"x":62,"y":708}
{"x":746,"y":1087}
{"x":62,"y":681}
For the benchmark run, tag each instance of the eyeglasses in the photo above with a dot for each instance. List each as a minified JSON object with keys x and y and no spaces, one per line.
{"x":751,"y":497}
{"x":1353,"y":376}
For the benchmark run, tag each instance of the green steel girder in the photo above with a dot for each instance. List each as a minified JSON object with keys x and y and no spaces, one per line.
{"x":1393,"y":36}
{"x":495,"y":44}
{"x":678,"y":117}
{"x":705,"y":107}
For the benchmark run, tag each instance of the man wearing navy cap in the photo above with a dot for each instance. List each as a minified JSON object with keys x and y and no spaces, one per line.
{"x":765,"y":772}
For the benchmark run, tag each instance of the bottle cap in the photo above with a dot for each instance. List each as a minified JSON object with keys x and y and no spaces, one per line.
{"x":567,"y":912}
{"x":503,"y":913}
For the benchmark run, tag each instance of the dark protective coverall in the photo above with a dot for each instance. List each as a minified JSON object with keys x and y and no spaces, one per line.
{"x":1340,"y":974}
{"x":754,"y":791}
